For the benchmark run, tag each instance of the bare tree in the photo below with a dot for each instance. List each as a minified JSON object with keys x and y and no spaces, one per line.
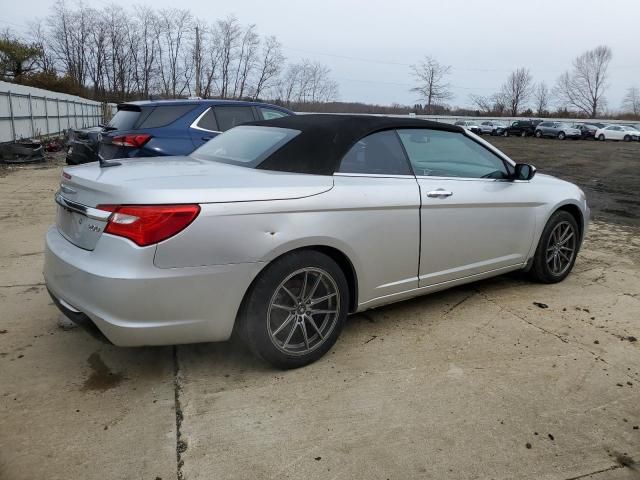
{"x":171,"y":29}
{"x":247,"y":58}
{"x":432,"y":87}
{"x":492,"y":104}
{"x":583,"y":87}
{"x":631,"y":101}
{"x":143,"y":45}
{"x":542,"y":97}
{"x":516,"y":91}
{"x":270,"y":65}
{"x":227,"y":37}
{"x":308,"y":82}
{"x":69,"y":37}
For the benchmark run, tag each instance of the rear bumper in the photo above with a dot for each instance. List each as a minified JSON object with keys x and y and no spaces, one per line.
{"x":133,"y":303}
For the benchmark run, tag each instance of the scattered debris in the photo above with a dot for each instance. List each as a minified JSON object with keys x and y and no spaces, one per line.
{"x":541,"y":305}
{"x":596,"y":342}
{"x":21,"y":152}
{"x":528,"y":445}
{"x":318,"y":458}
{"x":373,"y":337}
{"x":551,"y":437}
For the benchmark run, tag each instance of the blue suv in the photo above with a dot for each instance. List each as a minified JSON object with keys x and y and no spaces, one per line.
{"x":164,"y":127}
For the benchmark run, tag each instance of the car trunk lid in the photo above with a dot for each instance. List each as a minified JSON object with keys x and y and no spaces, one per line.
{"x":167,"y":180}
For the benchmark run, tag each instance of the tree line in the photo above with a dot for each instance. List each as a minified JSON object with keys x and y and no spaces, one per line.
{"x":580,"y":91}
{"x":115,"y":54}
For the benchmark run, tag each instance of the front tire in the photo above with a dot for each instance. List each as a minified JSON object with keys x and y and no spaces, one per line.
{"x":627,"y":138}
{"x":524,"y":133}
{"x":557,"y":249}
{"x":561,"y":136}
{"x":295,"y":310}
{"x":538,"y":134}
{"x":601,"y":137}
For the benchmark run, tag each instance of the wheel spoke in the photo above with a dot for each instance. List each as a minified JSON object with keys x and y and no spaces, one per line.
{"x":293,"y":329}
{"x":304,"y":334}
{"x":284,"y":324}
{"x":317,"y":312}
{"x":283,"y":307}
{"x":315,"y":301}
{"x":315,"y":327}
{"x":564,"y":240}
{"x":564,"y":255}
{"x":315,"y":286}
{"x":304,"y":285}
{"x":293,"y":297}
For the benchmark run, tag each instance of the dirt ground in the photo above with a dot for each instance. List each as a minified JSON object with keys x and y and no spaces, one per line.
{"x":501,"y":379}
{"x":608,"y":172}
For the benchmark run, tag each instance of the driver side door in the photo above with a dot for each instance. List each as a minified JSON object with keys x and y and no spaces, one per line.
{"x":474,"y":218}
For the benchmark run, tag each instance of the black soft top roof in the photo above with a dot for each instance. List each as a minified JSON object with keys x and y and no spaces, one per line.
{"x":325,"y":139}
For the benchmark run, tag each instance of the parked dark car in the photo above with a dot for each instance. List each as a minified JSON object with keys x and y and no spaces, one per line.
{"x":587,"y":130}
{"x":522,"y":128}
{"x":164,"y":127}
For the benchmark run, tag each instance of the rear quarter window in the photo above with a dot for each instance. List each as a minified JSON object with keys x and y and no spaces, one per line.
{"x":229,"y":117}
{"x":162,"y":115}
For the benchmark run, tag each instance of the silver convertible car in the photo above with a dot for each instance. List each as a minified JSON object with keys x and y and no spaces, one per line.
{"x":277,"y":230}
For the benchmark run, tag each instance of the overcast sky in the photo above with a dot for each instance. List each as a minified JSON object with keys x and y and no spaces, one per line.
{"x":369,"y":44}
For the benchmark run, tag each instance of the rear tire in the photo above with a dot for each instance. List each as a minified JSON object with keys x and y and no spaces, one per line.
{"x":284,"y":319}
{"x":627,"y":138}
{"x":524,"y":133}
{"x":557,"y":249}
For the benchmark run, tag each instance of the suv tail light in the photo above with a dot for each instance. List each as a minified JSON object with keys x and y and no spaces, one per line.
{"x":135,"y":141}
{"x":148,"y":224}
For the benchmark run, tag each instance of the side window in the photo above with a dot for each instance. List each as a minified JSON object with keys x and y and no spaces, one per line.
{"x":437,"y":153}
{"x":163,"y":115}
{"x":379,"y":153}
{"x":271,"y":113}
{"x":229,"y":117}
{"x":208,"y":121}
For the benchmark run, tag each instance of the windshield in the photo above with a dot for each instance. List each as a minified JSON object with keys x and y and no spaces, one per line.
{"x":245,"y":145}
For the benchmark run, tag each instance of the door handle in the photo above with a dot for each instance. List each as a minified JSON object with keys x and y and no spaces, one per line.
{"x":206,"y":138}
{"x":439,"y":194}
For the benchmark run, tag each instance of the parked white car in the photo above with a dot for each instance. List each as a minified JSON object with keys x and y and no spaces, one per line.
{"x":469,"y":125}
{"x":618,"y":132}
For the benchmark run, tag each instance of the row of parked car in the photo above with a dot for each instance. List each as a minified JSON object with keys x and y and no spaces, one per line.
{"x":163,"y":127}
{"x":178,"y":127}
{"x":554,"y":129}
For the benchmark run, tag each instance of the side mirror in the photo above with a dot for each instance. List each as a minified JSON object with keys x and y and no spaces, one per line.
{"x":524,"y":171}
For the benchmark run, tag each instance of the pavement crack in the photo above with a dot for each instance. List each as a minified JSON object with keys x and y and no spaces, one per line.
{"x":18,"y":285}
{"x":456,"y":305}
{"x":613,"y":467}
{"x":181,"y":444}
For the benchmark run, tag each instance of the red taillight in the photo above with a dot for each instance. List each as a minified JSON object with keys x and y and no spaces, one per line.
{"x":135,"y":141}
{"x":148,"y":224}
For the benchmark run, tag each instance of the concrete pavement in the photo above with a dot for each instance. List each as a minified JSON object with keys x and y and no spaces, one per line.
{"x":475,"y":382}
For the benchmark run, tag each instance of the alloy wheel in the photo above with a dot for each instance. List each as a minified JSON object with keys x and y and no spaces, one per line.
{"x":303,"y":311}
{"x":561,"y":248}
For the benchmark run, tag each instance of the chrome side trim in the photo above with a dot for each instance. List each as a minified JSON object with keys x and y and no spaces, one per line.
{"x":89,"y":212}
{"x":372,"y":175}
{"x":195,"y":126}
